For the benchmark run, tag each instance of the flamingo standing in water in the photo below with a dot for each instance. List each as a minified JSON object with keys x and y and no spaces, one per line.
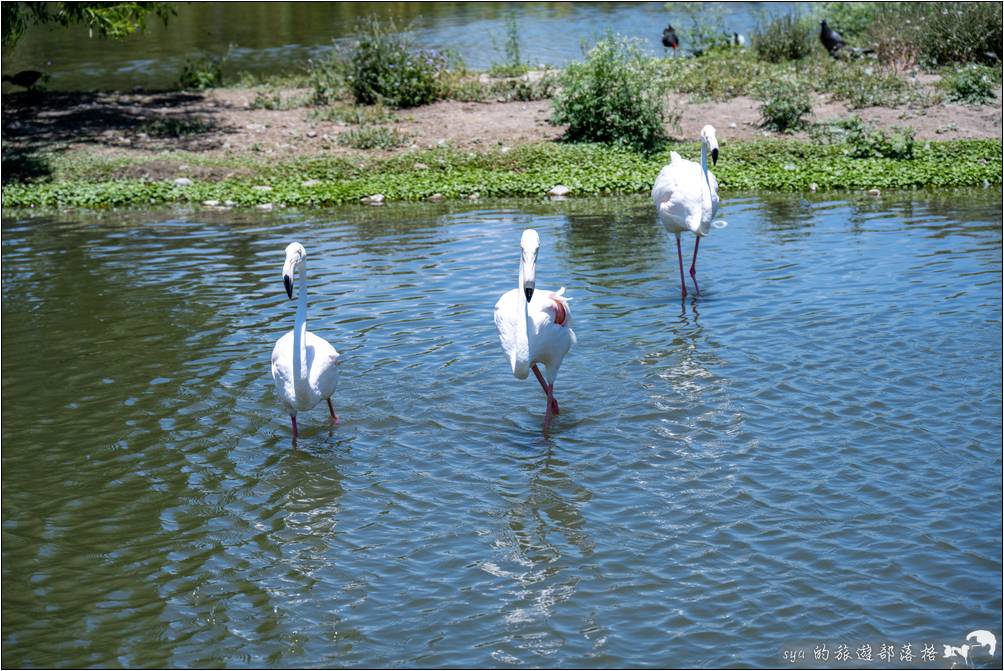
{"x":304,"y":365}
{"x":686,"y":198}
{"x":534,"y":326}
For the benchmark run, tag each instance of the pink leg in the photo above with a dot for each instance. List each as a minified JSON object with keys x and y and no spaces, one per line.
{"x":334,"y":417}
{"x":293,"y":417}
{"x":543,"y":385}
{"x":693,"y":266}
{"x":679,"y":254}
{"x":547,"y":413}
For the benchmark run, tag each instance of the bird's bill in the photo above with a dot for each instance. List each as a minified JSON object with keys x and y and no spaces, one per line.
{"x":528,"y":274}
{"x":287,"y":277}
{"x":714,"y":156}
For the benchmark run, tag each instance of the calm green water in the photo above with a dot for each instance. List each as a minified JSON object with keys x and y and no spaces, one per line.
{"x":808,"y":454}
{"x":282,"y":36}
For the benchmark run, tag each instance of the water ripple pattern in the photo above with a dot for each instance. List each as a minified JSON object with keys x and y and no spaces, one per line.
{"x":810,"y":451}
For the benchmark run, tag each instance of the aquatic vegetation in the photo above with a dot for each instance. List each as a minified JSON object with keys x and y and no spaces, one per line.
{"x":531,"y":170}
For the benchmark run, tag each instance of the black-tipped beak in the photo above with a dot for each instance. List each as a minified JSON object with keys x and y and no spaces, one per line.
{"x":288,"y":283}
{"x":714,"y":156}
{"x":529,"y":293}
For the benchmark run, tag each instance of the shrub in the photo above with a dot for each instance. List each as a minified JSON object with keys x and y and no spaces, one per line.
{"x":327,"y":77}
{"x":929,"y":33}
{"x":783,"y":38}
{"x":372,"y":137}
{"x":202,"y":73}
{"x":383,"y":68}
{"x":785,"y":104}
{"x":973,"y":84}
{"x":616,"y":96}
{"x":706,"y":31}
{"x":867,"y":141}
{"x":354,"y":115}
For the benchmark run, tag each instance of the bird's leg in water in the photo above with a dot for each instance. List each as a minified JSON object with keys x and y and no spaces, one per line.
{"x":334,"y":417}
{"x":543,"y":385}
{"x":293,"y":417}
{"x":547,"y":413}
{"x":679,"y":254}
{"x":693,"y":266}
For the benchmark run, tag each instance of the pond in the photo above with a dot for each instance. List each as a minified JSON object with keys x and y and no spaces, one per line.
{"x":807,"y":454}
{"x":282,"y":36}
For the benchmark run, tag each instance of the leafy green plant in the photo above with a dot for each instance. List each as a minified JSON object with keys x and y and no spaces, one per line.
{"x":973,"y":84}
{"x":616,"y":95}
{"x":372,"y":137}
{"x":513,"y":65}
{"x":785,"y":104}
{"x":107,"y":19}
{"x":783,"y":38}
{"x":385,"y":68}
{"x":866,"y":141}
{"x":205,"y":72}
{"x":327,"y":77}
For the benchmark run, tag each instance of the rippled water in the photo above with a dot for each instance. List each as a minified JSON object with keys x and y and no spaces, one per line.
{"x":281,"y":36}
{"x":809,"y":452}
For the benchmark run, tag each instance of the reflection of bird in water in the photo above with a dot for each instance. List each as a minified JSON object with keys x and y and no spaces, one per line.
{"x":686,"y":198}
{"x":25,"y":78}
{"x":534,"y":326}
{"x":303,"y":364}
{"x":669,"y":39}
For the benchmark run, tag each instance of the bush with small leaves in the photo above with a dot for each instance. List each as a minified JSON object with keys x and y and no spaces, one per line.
{"x":202,"y":73}
{"x":783,"y":38}
{"x":615,"y":96}
{"x":785,"y":104}
{"x":973,"y":84}
{"x":384,"y":68}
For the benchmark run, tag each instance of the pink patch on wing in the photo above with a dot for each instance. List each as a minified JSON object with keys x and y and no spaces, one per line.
{"x":559,"y":312}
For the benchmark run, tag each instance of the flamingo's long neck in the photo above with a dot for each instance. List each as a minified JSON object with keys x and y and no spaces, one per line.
{"x":300,"y":328}
{"x":704,"y":164}
{"x":521,"y":355}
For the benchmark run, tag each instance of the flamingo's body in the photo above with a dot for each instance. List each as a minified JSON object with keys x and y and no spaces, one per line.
{"x":304,"y":365}
{"x":534,"y":326}
{"x":686,"y":198}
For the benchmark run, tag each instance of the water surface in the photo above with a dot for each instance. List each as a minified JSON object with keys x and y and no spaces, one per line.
{"x":282,"y":36}
{"x":809,"y":452}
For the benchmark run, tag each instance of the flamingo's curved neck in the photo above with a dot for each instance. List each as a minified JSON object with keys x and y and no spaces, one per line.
{"x":300,"y":328}
{"x":704,"y":164}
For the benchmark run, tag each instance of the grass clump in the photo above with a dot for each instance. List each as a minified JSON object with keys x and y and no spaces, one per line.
{"x":866,"y":141}
{"x":973,"y":84}
{"x":202,"y":73}
{"x":384,"y":68}
{"x":615,"y":96}
{"x":354,"y":115}
{"x":785,"y":104}
{"x":513,"y":65}
{"x":271,"y":99}
{"x":783,"y":38}
{"x":373,"y":137}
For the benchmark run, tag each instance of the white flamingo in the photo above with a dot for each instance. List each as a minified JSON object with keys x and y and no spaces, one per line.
{"x":686,"y":198}
{"x":304,"y":366}
{"x":535,"y":327}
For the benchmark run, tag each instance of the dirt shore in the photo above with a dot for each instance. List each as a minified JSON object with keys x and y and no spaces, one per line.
{"x":223,"y":122}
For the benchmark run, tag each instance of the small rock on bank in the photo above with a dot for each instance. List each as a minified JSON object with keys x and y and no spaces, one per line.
{"x":375,"y":199}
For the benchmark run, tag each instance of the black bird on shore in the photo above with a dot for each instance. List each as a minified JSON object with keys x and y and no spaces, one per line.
{"x":25,"y":78}
{"x":830,"y":38}
{"x":669,"y":39}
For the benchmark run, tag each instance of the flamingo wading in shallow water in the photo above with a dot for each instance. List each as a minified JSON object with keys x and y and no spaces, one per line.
{"x":534,"y":326}
{"x":304,"y":366}
{"x":686,"y":198}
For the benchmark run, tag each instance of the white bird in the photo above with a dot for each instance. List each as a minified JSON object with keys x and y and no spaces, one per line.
{"x":534,"y":326}
{"x":686,"y":198}
{"x":304,"y":366}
